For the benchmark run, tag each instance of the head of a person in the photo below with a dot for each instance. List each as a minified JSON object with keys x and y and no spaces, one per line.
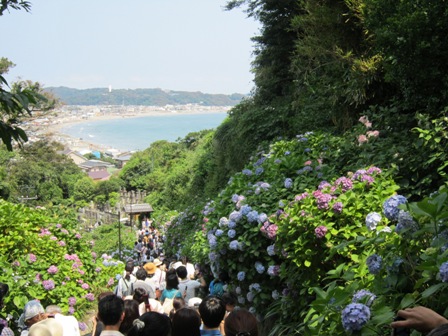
{"x":230,"y":300}
{"x":186,"y":321}
{"x":172,"y":281}
{"x":141,"y":274}
{"x":111,"y":310}
{"x":140,"y":295}
{"x":182,"y":272}
{"x":131,"y":312}
{"x":178,"y":303}
{"x":241,"y":322}
{"x":129,"y":267}
{"x":33,"y":312}
{"x":53,"y":309}
{"x":104,"y":294}
{"x":223,"y":276}
{"x":151,"y":323}
{"x":212,"y":310}
{"x":184,"y":260}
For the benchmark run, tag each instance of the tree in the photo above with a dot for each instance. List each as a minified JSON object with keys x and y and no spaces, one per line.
{"x":14,"y":4}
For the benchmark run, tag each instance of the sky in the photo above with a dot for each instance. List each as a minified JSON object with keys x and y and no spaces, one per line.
{"x":185,"y":45}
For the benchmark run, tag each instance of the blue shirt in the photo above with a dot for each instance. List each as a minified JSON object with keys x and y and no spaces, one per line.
{"x":210,"y":332}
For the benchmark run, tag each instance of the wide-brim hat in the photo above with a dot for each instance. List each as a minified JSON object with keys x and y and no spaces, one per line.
{"x":150,"y":268}
{"x":157,"y":262}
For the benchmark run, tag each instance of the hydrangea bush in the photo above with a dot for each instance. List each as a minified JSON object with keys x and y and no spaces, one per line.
{"x":317,"y":251}
{"x":44,"y":257}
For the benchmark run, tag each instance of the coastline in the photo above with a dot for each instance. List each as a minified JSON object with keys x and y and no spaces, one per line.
{"x":51,"y":127}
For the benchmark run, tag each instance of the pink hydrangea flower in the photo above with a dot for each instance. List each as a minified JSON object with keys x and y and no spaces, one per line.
{"x":320,"y":231}
{"x":52,"y":269}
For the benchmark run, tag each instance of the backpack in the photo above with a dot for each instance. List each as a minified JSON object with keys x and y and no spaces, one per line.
{"x":126,"y":288}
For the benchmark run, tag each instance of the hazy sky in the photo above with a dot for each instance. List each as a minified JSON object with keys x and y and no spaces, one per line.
{"x":190,"y":45}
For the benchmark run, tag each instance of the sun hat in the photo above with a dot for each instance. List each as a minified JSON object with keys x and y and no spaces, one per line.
{"x":157,"y":262}
{"x":47,"y":327}
{"x":150,"y":268}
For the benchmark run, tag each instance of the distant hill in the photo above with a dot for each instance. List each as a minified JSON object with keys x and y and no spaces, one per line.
{"x":146,"y":97}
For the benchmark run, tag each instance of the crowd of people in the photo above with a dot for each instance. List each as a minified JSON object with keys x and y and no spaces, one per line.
{"x":158,"y":296}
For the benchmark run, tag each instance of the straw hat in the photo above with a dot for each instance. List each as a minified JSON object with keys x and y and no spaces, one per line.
{"x":157,"y":262}
{"x":150,"y":268}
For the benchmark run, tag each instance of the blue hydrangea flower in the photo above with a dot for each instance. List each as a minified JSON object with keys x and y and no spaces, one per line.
{"x":245,"y":209}
{"x":390,"y":206}
{"x":235,"y":216}
{"x":238,"y":290}
{"x":277,"y":161}
{"x":259,"y":171}
{"x":212,"y":240}
{"x":364,"y":296}
{"x":231,"y":234}
{"x":259,"y":267}
{"x":247,"y":172}
{"x":252,"y":216}
{"x":355,"y":316}
{"x":235,"y":198}
{"x":241,"y":300}
{"x":241,"y":276}
{"x":212,"y":256}
{"x":405,"y":222}
{"x":219,"y":233}
{"x":265,"y":185}
{"x":281,"y":204}
{"x":287,"y":153}
{"x":260,"y":161}
{"x":233,"y":245}
{"x":232,"y":224}
{"x":262,"y":218}
{"x":288,"y":183}
{"x":250,"y":296}
{"x":443,"y":272}
{"x":374,"y":263}
{"x":275,"y":294}
{"x":255,"y":287}
{"x":223,"y":222}
{"x":118,"y":277}
{"x":372,"y":220}
{"x":271,"y":250}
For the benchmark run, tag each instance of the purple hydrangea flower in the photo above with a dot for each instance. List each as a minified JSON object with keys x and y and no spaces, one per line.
{"x":48,"y":284}
{"x":372,"y":220}
{"x":71,"y":301}
{"x":90,"y":297}
{"x":231,"y":234}
{"x":355,"y":316}
{"x":443,"y":272}
{"x":52,"y":269}
{"x":320,"y":231}
{"x":288,"y":183}
{"x":345,"y":183}
{"x":390,"y":206}
{"x":32,"y":258}
{"x":71,"y":310}
{"x":323,"y":185}
{"x":364,"y":295}
{"x":374,"y":263}
{"x":78,"y":236}
{"x":98,"y":269}
{"x":322,"y":199}
{"x":337,"y":207}
{"x":241,"y":276}
{"x":85,"y":286}
{"x":259,"y":267}
{"x":82,"y":326}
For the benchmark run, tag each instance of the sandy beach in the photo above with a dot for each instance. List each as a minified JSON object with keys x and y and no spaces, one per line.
{"x":51,"y":127}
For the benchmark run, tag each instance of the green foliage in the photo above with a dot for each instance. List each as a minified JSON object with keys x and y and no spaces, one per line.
{"x":43,"y":257}
{"x":5,"y":5}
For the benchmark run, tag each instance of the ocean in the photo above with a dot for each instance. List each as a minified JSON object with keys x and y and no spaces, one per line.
{"x":138,"y":133}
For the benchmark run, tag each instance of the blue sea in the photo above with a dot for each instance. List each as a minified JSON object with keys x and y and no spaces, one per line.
{"x":138,"y":133}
